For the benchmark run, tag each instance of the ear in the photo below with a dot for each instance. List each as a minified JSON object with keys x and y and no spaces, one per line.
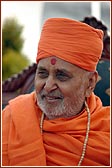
{"x":92,"y":80}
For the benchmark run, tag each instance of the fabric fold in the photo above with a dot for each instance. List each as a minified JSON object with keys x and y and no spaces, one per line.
{"x":62,"y":140}
{"x":72,"y":41}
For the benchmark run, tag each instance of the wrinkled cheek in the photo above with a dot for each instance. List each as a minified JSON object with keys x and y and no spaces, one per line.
{"x":76,"y":94}
{"x":36,"y":89}
{"x":38,"y":86}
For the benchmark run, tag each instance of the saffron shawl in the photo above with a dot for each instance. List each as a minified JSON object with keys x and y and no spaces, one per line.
{"x":62,"y":140}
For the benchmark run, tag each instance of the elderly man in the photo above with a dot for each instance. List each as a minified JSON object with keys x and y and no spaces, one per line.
{"x":62,"y":123}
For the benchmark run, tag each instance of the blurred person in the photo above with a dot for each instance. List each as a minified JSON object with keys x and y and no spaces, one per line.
{"x":61,"y":123}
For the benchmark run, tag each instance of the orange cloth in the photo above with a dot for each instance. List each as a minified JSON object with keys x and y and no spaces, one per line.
{"x":62,"y":140}
{"x":72,"y":41}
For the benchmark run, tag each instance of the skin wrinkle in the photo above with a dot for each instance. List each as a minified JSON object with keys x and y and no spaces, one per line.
{"x":72,"y":91}
{"x":65,"y":109}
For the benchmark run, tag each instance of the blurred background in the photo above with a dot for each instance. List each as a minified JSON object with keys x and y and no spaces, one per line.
{"x":22,"y":22}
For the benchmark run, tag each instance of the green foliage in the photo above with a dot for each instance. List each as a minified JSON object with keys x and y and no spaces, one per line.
{"x":12,"y":63}
{"x":11,"y":35}
{"x":13,"y":60}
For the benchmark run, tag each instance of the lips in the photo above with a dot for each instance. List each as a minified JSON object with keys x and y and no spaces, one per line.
{"x":51,"y":98}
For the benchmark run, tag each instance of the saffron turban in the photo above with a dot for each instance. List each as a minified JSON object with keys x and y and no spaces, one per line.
{"x":72,"y":41}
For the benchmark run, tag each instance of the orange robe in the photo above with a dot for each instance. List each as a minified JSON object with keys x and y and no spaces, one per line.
{"x":62,"y":140}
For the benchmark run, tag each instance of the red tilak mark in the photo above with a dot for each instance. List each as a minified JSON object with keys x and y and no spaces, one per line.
{"x":53,"y":61}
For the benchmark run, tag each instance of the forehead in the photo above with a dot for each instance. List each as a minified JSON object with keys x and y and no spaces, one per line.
{"x":54,"y":62}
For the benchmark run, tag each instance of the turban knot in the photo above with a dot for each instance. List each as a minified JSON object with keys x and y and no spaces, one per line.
{"x":72,"y":41}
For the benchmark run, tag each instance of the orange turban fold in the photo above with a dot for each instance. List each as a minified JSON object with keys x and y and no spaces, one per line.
{"x":72,"y":41}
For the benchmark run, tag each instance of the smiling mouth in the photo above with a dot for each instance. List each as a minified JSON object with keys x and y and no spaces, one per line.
{"x":52,"y":98}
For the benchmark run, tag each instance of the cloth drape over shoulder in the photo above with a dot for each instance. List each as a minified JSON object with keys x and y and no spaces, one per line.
{"x":62,"y":140}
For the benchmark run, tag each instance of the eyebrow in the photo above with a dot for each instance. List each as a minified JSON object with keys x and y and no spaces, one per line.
{"x":64,"y":71}
{"x":57,"y":70}
{"x":41,"y":68}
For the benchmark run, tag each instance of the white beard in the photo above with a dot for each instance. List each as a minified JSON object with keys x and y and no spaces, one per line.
{"x":68,"y":107}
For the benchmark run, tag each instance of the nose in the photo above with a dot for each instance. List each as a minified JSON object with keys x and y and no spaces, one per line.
{"x":50,"y":84}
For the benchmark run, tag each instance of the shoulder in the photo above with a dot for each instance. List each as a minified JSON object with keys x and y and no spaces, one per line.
{"x":21,"y":98}
{"x":100,"y":119}
{"x":21,"y":111}
{"x":104,"y":112}
{"x":96,"y":106}
{"x":23,"y":104}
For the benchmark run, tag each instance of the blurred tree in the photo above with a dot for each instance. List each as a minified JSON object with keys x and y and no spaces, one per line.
{"x":11,"y":35}
{"x":12,"y":63}
{"x":13,"y":60}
